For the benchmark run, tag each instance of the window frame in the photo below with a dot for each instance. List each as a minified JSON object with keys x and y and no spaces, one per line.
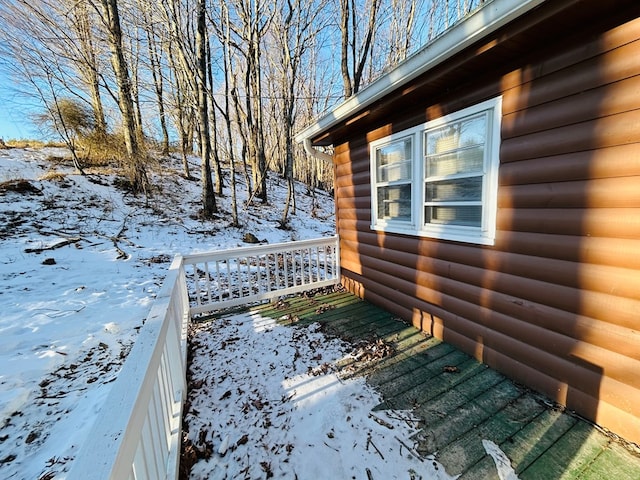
{"x":486,"y":232}
{"x":398,"y":223}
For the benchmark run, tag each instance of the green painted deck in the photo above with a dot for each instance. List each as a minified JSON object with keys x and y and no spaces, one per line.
{"x":461,"y":401}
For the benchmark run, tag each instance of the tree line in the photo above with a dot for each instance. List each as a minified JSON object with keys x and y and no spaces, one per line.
{"x":232,"y":80}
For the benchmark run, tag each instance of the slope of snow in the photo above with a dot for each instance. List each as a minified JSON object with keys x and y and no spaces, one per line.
{"x":80,"y":263}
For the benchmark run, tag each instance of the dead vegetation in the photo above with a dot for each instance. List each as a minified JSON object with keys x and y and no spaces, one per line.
{"x":19,"y":186}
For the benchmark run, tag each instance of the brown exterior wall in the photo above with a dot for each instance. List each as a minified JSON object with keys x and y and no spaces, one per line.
{"x":555,"y":303}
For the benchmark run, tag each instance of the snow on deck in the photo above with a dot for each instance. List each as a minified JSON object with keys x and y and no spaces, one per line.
{"x":266,"y":401}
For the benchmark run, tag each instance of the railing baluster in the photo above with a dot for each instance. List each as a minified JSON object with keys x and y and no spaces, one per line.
{"x":276,"y":271}
{"x":156,"y":451}
{"x":241,"y":276}
{"x":139,"y":465}
{"x":303,"y":264}
{"x":268,"y":272}
{"x":218,"y":280}
{"x":149,"y":458}
{"x":318,"y":265}
{"x":197,"y":283}
{"x":229,"y":282}
{"x":285,"y":264}
{"x":208,"y":281}
{"x":255,"y":274}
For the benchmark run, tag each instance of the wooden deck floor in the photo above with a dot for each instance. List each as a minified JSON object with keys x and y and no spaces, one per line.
{"x":461,"y":402}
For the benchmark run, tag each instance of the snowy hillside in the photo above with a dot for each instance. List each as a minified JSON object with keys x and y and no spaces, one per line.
{"x":80,"y":262}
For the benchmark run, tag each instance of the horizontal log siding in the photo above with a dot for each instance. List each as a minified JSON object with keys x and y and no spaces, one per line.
{"x":555,"y":303}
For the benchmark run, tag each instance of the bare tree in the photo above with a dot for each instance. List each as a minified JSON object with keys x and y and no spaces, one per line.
{"x":55,"y":37}
{"x":190,"y":64}
{"x":135,"y":165}
{"x":217,"y":164}
{"x":225,"y":33}
{"x":208,"y":196}
{"x":89,"y":66}
{"x":155,"y":52}
{"x":294,"y":27}
{"x":182,"y":108}
{"x":401,"y":27}
{"x":277,"y":59}
{"x":356,"y":46}
{"x":250,"y":23}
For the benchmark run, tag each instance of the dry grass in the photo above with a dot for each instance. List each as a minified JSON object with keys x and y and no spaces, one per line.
{"x":102,"y":149}
{"x":53,"y":175}
{"x":24,"y":143}
{"x":30,"y":143}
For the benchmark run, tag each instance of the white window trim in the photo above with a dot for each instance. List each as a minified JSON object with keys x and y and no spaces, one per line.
{"x":483,"y":235}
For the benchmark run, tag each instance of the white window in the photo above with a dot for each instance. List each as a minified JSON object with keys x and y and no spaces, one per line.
{"x":394,"y":172}
{"x":440,"y":179}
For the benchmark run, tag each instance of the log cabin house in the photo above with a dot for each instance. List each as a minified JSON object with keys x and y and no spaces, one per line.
{"x":488,"y":191}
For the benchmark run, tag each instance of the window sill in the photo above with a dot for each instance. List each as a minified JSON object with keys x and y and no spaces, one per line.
{"x":474,"y":237}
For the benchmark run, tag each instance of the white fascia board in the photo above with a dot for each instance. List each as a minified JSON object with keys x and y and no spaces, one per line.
{"x":483,"y":22}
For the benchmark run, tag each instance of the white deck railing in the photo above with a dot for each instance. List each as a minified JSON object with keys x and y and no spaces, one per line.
{"x":239,"y":276}
{"x":137,"y":433}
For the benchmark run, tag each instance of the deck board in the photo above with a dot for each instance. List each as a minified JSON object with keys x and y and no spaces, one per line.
{"x":459,"y":401}
{"x":467,"y":417}
{"x":462,"y":454}
{"x":536,"y":438}
{"x":571,"y":456}
{"x":614,"y":462}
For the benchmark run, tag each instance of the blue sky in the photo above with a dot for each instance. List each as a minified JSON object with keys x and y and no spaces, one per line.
{"x":14,"y":113}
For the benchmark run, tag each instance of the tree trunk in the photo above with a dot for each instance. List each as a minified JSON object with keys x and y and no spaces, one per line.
{"x":344,"y":57}
{"x":216,"y":154}
{"x":243,"y":137}
{"x":136,"y":169}
{"x":359,"y":53}
{"x":208,"y":196}
{"x":89,"y":68}
{"x":156,"y":73}
{"x":260,"y":153}
{"x":226,"y":52}
{"x":180,"y":115}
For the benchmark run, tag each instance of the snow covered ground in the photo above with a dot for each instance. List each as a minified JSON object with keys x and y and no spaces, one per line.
{"x":265,"y":402}
{"x":80,"y":263}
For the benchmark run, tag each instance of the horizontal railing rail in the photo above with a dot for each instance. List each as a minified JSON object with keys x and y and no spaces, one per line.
{"x":239,"y":276}
{"x":137,"y":432}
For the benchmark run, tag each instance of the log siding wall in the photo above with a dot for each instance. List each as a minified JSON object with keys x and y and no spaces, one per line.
{"x":555,"y":303}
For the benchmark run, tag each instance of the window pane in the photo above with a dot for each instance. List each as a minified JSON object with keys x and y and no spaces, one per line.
{"x":469,"y":216}
{"x":459,"y":190}
{"x":469,"y":160}
{"x":393,"y":161}
{"x":394,"y":202}
{"x":465,"y":133}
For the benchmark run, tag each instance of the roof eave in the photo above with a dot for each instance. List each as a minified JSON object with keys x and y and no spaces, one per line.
{"x":483,"y":22}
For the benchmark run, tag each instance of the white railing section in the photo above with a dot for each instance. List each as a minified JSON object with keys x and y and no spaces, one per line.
{"x":239,"y":276}
{"x":137,"y":433}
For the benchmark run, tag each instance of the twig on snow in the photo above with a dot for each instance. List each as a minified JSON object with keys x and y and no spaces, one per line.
{"x":409,"y":449}
{"x":370,"y":442}
{"x":60,"y":244}
{"x":380,"y":421}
